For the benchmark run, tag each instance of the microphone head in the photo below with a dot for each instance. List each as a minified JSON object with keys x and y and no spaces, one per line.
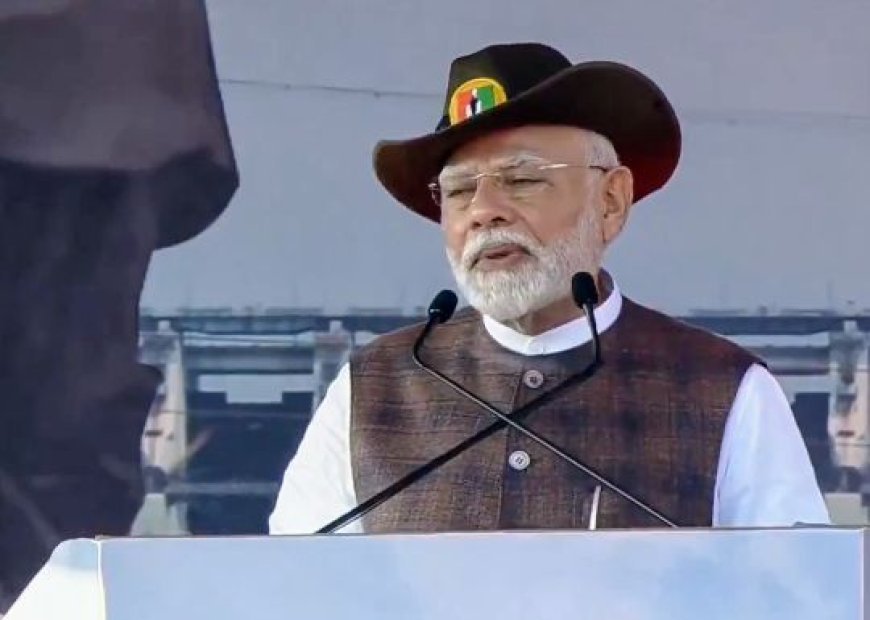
{"x":583,"y":289}
{"x":443,"y":306}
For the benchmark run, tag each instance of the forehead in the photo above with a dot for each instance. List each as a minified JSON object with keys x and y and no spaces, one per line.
{"x":543,"y":141}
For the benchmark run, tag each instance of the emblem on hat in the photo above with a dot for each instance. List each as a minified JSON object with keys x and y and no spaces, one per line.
{"x":475,"y":96}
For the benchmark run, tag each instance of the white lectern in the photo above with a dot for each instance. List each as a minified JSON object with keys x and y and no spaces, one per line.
{"x":773,"y":574}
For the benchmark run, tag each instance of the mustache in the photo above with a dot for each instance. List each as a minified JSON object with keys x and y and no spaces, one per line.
{"x":492,"y":238}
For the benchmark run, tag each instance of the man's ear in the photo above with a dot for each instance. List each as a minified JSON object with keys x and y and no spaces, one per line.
{"x":617,"y":197}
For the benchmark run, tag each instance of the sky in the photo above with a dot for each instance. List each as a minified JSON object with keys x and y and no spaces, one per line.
{"x":767,"y":206}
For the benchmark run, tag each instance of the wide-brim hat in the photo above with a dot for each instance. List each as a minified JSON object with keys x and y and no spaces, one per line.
{"x":505,"y":86}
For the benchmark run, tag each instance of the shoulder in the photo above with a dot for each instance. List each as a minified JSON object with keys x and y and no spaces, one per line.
{"x":687,"y":341}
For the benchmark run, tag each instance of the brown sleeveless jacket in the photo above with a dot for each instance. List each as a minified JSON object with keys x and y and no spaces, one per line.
{"x":651,"y":419}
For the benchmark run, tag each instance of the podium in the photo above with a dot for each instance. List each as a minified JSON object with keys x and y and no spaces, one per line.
{"x":751,"y":574}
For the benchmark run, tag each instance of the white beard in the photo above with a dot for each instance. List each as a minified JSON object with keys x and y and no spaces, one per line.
{"x":508,"y":294}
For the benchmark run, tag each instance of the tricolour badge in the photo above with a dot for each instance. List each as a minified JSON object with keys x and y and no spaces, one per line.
{"x":475,"y":96}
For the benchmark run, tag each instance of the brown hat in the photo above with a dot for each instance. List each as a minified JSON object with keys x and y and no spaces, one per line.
{"x":505,"y":86}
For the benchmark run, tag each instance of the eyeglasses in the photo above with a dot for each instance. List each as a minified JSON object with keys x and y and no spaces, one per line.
{"x":519,"y":183}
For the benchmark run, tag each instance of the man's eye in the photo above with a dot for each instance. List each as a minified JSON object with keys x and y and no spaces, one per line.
{"x":523,"y":181}
{"x":457,"y":192}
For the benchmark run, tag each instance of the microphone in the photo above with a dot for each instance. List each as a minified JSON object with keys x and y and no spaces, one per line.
{"x":585,"y":295}
{"x":441,"y":310}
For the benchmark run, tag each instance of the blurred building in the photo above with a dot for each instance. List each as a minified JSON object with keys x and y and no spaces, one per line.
{"x":240,"y":389}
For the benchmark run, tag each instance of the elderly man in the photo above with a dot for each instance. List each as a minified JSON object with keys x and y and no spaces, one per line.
{"x":532,"y":172}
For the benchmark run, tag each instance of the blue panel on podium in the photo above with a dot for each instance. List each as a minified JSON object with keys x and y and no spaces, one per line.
{"x":787,"y":574}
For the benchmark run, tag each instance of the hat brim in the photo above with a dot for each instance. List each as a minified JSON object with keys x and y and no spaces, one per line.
{"x":608,"y":98}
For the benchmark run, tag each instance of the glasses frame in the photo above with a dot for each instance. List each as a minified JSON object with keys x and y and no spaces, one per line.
{"x":435,"y":186}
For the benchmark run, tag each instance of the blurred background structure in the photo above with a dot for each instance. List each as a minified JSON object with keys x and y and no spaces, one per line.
{"x":240,"y":389}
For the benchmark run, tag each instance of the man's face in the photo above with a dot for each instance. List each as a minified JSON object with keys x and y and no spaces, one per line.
{"x":517,"y":234}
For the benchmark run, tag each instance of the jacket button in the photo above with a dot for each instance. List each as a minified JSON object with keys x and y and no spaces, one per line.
{"x":533,"y":379}
{"x":519,"y":460}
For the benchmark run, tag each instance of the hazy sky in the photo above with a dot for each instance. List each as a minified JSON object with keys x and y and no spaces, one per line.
{"x":768,"y":206}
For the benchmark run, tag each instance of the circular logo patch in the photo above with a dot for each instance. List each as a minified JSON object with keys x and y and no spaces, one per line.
{"x":475,"y":96}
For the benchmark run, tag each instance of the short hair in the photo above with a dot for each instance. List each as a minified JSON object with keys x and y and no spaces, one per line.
{"x":600,"y":151}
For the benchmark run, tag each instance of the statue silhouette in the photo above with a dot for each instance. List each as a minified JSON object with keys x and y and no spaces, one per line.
{"x":113,"y":143}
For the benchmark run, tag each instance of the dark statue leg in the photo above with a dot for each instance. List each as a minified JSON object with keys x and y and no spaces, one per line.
{"x":74,"y":249}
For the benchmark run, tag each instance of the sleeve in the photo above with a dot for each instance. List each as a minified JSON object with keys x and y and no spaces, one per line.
{"x":764,"y":476}
{"x":318,"y":483}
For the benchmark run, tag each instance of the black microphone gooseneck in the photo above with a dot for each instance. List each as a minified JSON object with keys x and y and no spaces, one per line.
{"x":585,"y":295}
{"x":440,"y":311}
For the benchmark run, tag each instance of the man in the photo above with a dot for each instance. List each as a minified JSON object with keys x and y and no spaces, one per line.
{"x":532,"y":172}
